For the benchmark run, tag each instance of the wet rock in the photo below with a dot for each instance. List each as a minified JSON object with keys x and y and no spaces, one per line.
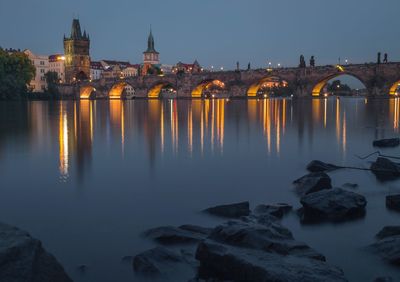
{"x":388,"y":231}
{"x":231,"y":211}
{"x":277,"y":210}
{"x":271,"y":237}
{"x":393,"y":202}
{"x":177,"y":235}
{"x":196,"y":229}
{"x":384,"y":169}
{"x":332,"y":205}
{"x":22,"y":258}
{"x":163,"y":262}
{"x":312,"y":182}
{"x":385,"y":143}
{"x":388,"y":248}
{"x":350,"y":185}
{"x":318,"y":166}
{"x":230,"y":263}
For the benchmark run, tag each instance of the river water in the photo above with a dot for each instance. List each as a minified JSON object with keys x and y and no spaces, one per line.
{"x":87,"y":178}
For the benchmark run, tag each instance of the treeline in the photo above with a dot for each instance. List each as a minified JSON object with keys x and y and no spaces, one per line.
{"x":16,"y":72}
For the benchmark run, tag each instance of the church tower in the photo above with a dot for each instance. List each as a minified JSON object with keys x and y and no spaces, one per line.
{"x":77,"y":57}
{"x":150,"y":56}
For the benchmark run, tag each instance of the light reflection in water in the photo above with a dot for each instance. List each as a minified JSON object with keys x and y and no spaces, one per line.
{"x":202,"y":122}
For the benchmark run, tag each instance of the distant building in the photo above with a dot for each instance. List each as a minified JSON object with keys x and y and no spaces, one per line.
{"x":187,"y":68}
{"x":96,"y":70}
{"x":130,"y":70}
{"x":151,"y":57}
{"x":41,"y":64}
{"x":77,"y":57}
{"x":167,"y":69}
{"x":118,"y":69}
{"x":56,"y":64}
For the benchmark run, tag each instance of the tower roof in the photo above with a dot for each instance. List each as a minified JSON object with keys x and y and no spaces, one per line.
{"x":76,"y":31}
{"x":150,"y":43}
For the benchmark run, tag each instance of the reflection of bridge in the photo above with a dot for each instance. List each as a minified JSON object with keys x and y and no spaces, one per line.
{"x":379,"y":79}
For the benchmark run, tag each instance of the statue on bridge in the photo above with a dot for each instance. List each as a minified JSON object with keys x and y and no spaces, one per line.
{"x":248,"y":66}
{"x":379,"y":58}
{"x":385,"y":58}
{"x":312,"y":61}
{"x":302,"y":62}
{"x":237,"y":66}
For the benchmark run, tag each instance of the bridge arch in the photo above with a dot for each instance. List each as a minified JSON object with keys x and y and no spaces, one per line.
{"x":87,"y":92}
{"x":394,"y":90}
{"x":266,"y":83}
{"x":162,"y":89}
{"x":117,"y":91}
{"x":208,"y":88}
{"x":319,"y":86}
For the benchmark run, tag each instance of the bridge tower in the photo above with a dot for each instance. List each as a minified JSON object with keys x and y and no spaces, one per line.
{"x":150,"y":56}
{"x":77,"y":57}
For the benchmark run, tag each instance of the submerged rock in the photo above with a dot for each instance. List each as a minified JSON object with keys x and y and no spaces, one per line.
{"x":231,"y":211}
{"x":270,"y":237}
{"x":277,"y":210}
{"x":22,"y":258}
{"x":332,"y":205}
{"x":163,"y":262}
{"x":318,"y":166}
{"x":231,"y":263}
{"x":393,"y":202}
{"x":312,"y":182}
{"x":388,"y":244}
{"x":384,"y":169}
{"x":177,"y":235}
{"x":388,"y":231}
{"x":384,"y":143}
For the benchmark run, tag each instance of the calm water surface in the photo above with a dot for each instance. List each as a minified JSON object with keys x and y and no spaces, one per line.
{"x":88,"y":177}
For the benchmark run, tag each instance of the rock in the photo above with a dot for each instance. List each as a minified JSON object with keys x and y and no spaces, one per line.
{"x":230,"y":263}
{"x":388,"y":247}
{"x":312,"y":182}
{"x":393,"y":202}
{"x":385,"y":143}
{"x":277,"y":210}
{"x":271,"y":237}
{"x":388,"y":231}
{"x":22,"y":258}
{"x":350,"y":185}
{"x":177,"y":235}
{"x":332,"y":205}
{"x":318,"y":166}
{"x":196,"y":229}
{"x":231,"y":211}
{"x":163,"y":262}
{"x":384,"y":169}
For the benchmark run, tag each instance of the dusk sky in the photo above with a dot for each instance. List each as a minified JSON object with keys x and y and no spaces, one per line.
{"x":215,"y":32}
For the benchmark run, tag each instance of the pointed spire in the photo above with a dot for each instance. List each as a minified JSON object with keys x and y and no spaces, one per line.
{"x":84,"y":34}
{"x":76,"y":32}
{"x":150,"y":42}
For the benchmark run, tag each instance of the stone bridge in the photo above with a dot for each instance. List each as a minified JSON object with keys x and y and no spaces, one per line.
{"x":379,"y":79}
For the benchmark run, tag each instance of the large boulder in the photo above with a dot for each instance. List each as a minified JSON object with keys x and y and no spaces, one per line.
{"x":161,"y":262}
{"x":23,"y":258}
{"x":230,"y":211}
{"x":332,"y":205}
{"x":277,"y":210}
{"x":177,"y":235}
{"x":385,"y":143}
{"x":393,"y":202}
{"x":384,"y":169}
{"x":312,"y":182}
{"x":270,"y":237}
{"x":318,"y":166}
{"x":388,"y":244}
{"x":231,"y":263}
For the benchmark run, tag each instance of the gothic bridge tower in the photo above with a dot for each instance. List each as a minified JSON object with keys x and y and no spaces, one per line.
{"x":77,"y":57}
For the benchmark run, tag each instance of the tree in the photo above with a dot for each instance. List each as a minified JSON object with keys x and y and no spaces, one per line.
{"x":52,"y":82}
{"x":16,"y":71}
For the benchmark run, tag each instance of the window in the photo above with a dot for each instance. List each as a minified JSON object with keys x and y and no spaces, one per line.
{"x":42,"y":63}
{"x":41,"y":70}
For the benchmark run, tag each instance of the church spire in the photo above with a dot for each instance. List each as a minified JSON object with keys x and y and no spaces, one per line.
{"x":150,"y":42}
{"x":76,"y":32}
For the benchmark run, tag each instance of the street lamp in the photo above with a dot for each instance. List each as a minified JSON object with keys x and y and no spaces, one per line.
{"x":222,"y":68}
{"x":279,"y":65}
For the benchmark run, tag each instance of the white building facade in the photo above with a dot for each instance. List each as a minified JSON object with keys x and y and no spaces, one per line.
{"x":41,"y":64}
{"x":56,"y":64}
